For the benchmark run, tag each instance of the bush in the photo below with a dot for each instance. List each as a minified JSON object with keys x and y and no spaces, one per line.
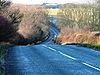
{"x":5,"y":24}
{"x":4,"y":4}
{"x":20,"y":26}
{"x":6,"y":30}
{"x":15,"y":18}
{"x":9,"y":24}
{"x":34,"y":25}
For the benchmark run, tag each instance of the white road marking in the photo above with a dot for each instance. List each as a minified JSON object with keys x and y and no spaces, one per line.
{"x":44,"y":45}
{"x":52,"y":49}
{"x":72,"y":58}
{"x":67,"y":55}
{"x":49,"y":48}
{"x":54,"y":31}
{"x":60,"y":52}
{"x":91,"y":66}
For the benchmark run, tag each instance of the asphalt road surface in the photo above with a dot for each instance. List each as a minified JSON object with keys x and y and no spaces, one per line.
{"x":49,"y":59}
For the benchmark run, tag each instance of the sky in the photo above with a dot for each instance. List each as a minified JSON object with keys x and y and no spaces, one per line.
{"x":50,"y":1}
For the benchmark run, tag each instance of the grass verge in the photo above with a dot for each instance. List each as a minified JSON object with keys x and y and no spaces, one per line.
{"x":3,"y":50}
{"x":88,"y":45}
{"x":91,"y":45}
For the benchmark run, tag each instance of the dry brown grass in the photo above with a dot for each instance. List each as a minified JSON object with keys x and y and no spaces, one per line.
{"x":77,"y":37}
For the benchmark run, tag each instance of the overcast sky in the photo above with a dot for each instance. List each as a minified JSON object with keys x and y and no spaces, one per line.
{"x":50,"y":1}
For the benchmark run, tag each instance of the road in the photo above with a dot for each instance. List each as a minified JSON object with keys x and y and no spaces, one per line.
{"x":49,"y":59}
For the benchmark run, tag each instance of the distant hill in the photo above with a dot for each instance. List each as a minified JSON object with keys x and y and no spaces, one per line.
{"x":51,"y":5}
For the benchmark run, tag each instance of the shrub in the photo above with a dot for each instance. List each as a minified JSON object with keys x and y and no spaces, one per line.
{"x":34,"y":25}
{"x":15,"y":18}
{"x":4,"y":4}
{"x":9,"y":25}
{"x":6,"y":30}
{"x":20,"y":26}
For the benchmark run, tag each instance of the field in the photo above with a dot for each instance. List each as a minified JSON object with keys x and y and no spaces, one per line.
{"x":80,"y":16}
{"x":52,"y":12}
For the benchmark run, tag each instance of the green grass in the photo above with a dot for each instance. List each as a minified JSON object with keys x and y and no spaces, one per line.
{"x":2,"y":54}
{"x":91,"y":45}
{"x":3,"y":50}
{"x":88,"y":45}
{"x":1,"y":70}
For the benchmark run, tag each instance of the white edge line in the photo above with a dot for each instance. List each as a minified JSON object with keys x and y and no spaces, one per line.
{"x":91,"y":66}
{"x":67,"y":56}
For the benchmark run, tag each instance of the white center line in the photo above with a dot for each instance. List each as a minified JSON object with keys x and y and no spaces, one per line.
{"x":67,"y":55}
{"x":54,"y":31}
{"x":91,"y":66}
{"x":60,"y":52}
{"x":52,"y":49}
{"x":49,"y":48}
